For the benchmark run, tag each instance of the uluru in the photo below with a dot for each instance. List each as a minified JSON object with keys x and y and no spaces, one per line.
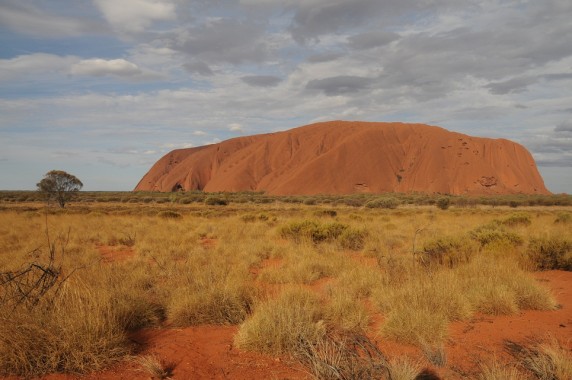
{"x":345,"y":157}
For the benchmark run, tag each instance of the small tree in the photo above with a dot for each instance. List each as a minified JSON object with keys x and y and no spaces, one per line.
{"x":59,"y":185}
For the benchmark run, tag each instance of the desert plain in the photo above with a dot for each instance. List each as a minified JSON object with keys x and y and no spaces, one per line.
{"x":192,"y":285}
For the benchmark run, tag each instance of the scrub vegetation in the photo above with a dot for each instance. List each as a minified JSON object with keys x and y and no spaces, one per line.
{"x":320,"y":281}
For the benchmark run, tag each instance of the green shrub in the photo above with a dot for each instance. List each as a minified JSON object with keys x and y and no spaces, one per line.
{"x":353,"y":239}
{"x":385,"y":202}
{"x":313,"y":231}
{"x":551,"y":253}
{"x":517,"y":219}
{"x":326,"y":213}
{"x":169,"y":214}
{"x":494,"y":233}
{"x":443,"y":203}
{"x":216,"y":201}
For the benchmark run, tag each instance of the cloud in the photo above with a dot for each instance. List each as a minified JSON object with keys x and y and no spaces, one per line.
{"x":315,"y":18}
{"x":101,"y":67}
{"x":564,"y":127}
{"x":134,"y":16}
{"x":235,"y":127}
{"x":34,"y":64}
{"x":513,"y":85}
{"x":222,"y":41}
{"x":26,"y":18}
{"x":340,"y":85}
{"x":370,"y":40}
{"x":261,"y":80}
{"x":324,"y":57}
{"x":198,"y":67}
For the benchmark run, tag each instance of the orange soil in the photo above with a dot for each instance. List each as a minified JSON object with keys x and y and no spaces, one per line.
{"x":112,"y":254}
{"x":341,"y":157}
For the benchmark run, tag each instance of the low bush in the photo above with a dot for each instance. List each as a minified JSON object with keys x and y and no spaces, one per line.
{"x":518,"y":219}
{"x":353,"y":239}
{"x":385,"y":202}
{"x":494,"y":233}
{"x":550,"y":253}
{"x":169,"y":214}
{"x":216,"y":201}
{"x":326,"y":213}
{"x":564,"y":218}
{"x":309,"y":230}
{"x":443,"y":203}
{"x":313,"y":231}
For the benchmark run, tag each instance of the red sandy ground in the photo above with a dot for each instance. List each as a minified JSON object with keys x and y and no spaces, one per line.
{"x":207,"y":352}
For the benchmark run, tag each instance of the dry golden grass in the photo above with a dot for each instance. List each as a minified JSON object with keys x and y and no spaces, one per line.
{"x":283,"y":325}
{"x":420,"y":267}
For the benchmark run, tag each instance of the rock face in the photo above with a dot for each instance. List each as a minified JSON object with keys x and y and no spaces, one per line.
{"x":342,"y":157}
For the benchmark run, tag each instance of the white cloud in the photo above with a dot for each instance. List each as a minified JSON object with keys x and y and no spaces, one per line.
{"x":101,"y":67}
{"x":235,"y":127}
{"x":134,"y":16}
{"x":33,"y":64}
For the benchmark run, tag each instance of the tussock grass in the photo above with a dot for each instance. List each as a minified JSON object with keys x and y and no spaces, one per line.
{"x":283,"y":325}
{"x":155,"y":367}
{"x":79,"y":332}
{"x":497,"y":371}
{"x":449,"y":251}
{"x":420,"y":310}
{"x":403,"y":368}
{"x":545,"y":360}
{"x":344,"y":357}
{"x":346,"y":312}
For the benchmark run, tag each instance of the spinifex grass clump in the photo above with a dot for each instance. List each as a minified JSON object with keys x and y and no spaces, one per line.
{"x":283,"y":325}
{"x":449,"y":251}
{"x":420,"y":308}
{"x":78,"y":331}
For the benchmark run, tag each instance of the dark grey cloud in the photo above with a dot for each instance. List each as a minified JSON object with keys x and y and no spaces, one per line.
{"x":223,"y":40}
{"x":513,"y":85}
{"x":370,"y":40}
{"x":313,"y":19}
{"x":555,"y":149}
{"x":565,"y":127}
{"x":198,"y":67}
{"x":521,"y":84}
{"x":261,"y":80}
{"x":324,"y":57}
{"x":558,"y":162}
{"x":340,"y":85}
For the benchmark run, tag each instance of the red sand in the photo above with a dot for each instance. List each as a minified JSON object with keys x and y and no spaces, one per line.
{"x":351,"y":157}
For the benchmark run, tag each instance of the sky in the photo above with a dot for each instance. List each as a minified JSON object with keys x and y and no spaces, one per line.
{"x":103,"y":88}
